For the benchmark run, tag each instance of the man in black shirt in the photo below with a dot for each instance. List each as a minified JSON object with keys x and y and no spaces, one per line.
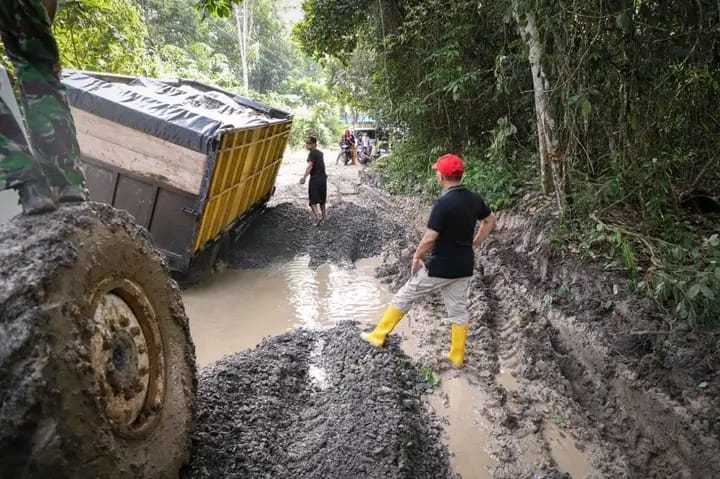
{"x":449,"y":240}
{"x":317,"y":187}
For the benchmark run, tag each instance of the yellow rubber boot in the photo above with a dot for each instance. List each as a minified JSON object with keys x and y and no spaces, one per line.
{"x":457,"y":344}
{"x":388,"y":322}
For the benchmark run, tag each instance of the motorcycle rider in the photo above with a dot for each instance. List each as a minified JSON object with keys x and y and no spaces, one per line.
{"x":350,"y":138}
{"x":347,"y":146}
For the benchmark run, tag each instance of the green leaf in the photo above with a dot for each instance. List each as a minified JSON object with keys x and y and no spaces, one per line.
{"x":708,"y":293}
{"x":586,"y":107}
{"x":430,"y":376}
{"x":703,"y":385}
{"x":694,"y":290}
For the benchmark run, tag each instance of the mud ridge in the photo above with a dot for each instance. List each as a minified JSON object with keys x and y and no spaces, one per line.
{"x":316,"y":404}
{"x":286,"y":231}
{"x":635,"y":372}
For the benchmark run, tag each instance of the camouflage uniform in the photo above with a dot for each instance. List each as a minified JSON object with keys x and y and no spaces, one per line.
{"x":27,"y":35}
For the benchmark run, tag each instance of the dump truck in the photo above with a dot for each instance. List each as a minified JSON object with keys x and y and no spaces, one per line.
{"x":191,"y":163}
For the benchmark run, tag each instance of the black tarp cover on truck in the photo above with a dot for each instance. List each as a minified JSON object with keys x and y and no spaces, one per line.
{"x":185,"y":113}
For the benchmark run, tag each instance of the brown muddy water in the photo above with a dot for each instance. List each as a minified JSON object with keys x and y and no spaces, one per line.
{"x":237,"y":308}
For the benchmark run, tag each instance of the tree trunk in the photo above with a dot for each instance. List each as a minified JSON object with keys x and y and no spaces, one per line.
{"x":552,"y":159}
{"x":243,"y":22}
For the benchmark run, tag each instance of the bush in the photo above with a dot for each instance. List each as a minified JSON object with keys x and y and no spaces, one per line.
{"x":495,"y":172}
{"x":688,"y":281}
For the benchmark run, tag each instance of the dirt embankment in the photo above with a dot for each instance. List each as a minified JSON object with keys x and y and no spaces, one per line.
{"x":316,"y":404}
{"x":566,"y":356}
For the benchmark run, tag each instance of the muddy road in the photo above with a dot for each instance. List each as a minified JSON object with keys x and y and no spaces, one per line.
{"x":543,"y":393}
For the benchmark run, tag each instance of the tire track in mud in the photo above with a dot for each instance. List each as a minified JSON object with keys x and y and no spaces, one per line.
{"x":547,"y":418}
{"x":533,"y":429}
{"x":656,"y":434}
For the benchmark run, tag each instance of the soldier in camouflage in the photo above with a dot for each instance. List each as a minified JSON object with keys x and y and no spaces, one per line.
{"x":50,"y":158}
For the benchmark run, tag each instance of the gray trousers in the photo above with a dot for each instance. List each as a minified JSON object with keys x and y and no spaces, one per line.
{"x":454,"y":292}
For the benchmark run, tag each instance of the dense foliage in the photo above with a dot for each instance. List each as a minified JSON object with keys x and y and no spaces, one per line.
{"x":103,"y":35}
{"x":177,"y":38}
{"x":618,"y":120}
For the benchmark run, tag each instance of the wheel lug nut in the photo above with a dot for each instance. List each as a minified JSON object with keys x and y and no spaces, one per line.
{"x":135,"y":331}
{"x":124,"y":322}
{"x":142,"y":349}
{"x":143,"y":371}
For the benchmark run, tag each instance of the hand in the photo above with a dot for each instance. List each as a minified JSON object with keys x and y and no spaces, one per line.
{"x":417,"y":265}
{"x":302,"y":180}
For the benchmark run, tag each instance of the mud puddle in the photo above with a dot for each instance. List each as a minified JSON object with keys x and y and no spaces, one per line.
{"x":567,"y":456}
{"x":237,"y":308}
{"x":467,"y":432}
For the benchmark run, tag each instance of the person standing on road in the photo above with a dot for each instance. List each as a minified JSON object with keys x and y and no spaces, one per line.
{"x":317,"y":187}
{"x":450,"y":238}
{"x":51,"y":155}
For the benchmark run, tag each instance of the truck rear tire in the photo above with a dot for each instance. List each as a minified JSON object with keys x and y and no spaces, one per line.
{"x":97,"y":368}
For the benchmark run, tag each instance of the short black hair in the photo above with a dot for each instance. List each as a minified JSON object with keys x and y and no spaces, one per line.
{"x":452,"y":178}
{"x":312,"y":140}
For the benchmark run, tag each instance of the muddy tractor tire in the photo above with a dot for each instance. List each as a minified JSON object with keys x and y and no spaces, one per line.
{"x":97,"y":368}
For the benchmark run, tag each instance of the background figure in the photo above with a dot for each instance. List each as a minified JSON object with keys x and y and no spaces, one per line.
{"x":350,"y":139}
{"x":317,"y":188}
{"x":51,"y":157}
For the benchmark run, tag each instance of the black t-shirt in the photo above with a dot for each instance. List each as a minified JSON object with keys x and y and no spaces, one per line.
{"x":454,"y":217}
{"x":318,"y":168}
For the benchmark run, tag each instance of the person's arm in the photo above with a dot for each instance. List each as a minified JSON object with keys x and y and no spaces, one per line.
{"x":486,"y":226}
{"x":307,"y":172}
{"x":426,"y":243}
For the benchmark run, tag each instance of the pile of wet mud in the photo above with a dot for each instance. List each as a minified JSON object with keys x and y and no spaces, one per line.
{"x":316,"y":404}
{"x":351,"y":232}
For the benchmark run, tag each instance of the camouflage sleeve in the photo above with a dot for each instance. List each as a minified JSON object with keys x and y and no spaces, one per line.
{"x":16,"y":161}
{"x":27,"y":35}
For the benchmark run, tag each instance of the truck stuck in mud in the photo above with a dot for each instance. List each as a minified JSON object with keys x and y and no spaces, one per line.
{"x":188,"y":161}
{"x":97,"y":367}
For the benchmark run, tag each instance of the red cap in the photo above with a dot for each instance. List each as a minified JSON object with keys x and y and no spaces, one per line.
{"x":450,"y":165}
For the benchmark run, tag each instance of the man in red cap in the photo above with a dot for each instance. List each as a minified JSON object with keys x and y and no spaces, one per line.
{"x":450,"y":239}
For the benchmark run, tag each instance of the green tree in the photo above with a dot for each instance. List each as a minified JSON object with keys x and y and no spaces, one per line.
{"x":103,"y":35}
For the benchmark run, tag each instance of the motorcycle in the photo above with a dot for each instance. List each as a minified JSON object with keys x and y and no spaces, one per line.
{"x":345,"y":154}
